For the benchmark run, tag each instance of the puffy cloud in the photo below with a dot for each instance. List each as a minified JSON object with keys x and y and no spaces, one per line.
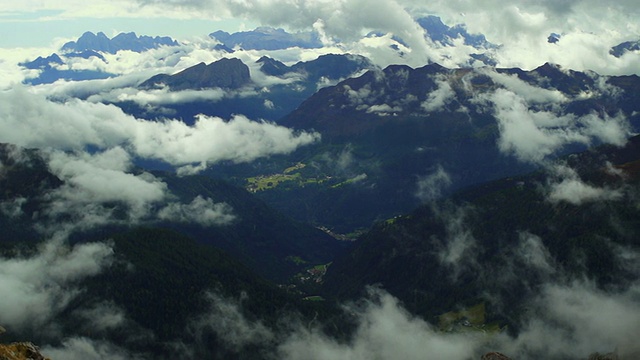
{"x":226,"y":319}
{"x":534,"y":254}
{"x":430,"y":187}
{"x":529,"y":93}
{"x":438,"y":99}
{"x":103,"y":317}
{"x":39,"y":287}
{"x":533,"y":135}
{"x":158,"y":97}
{"x":383,"y":109}
{"x":212,"y":139}
{"x":82,"y":348}
{"x":12,"y":208}
{"x":200,"y":211}
{"x":589,"y":319}
{"x":458,"y":250}
{"x":384,"y":331}
{"x":570,"y":188}
{"x":31,"y":120}
{"x":94,"y":185}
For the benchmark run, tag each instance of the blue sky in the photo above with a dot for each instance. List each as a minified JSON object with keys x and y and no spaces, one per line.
{"x":43,"y":28}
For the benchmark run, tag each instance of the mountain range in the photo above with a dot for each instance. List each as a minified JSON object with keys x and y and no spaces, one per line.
{"x":123,"y":41}
{"x":291,"y":86}
{"x":387,"y":132}
{"x":461,"y":210}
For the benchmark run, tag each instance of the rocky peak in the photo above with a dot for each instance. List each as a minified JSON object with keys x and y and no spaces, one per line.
{"x":21,"y":351}
{"x":224,"y":73}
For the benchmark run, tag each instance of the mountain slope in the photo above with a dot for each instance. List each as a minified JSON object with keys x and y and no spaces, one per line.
{"x":33,"y":203}
{"x":500,"y":242}
{"x":397,"y":128}
{"x":224,"y":73}
{"x":236,"y":93}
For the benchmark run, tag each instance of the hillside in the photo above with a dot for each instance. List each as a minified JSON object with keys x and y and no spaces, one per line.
{"x":396,"y":128}
{"x":502,"y":242}
{"x":212,"y":211}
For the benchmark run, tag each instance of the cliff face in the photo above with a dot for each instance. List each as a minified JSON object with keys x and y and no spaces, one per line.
{"x":20,"y":351}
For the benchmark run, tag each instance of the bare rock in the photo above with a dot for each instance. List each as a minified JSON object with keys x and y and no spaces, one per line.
{"x":494,"y":356}
{"x":20,"y":351}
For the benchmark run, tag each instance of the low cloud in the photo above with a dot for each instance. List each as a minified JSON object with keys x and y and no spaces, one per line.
{"x":577,"y":319}
{"x":158,"y":97}
{"x":226,"y":319}
{"x":98,"y":189}
{"x":200,"y":211}
{"x":430,"y":187}
{"x":37,"y":288}
{"x":438,"y":99}
{"x":529,"y":93}
{"x":82,"y":348}
{"x":458,"y":250}
{"x":384,"y":331}
{"x":571,"y":189}
{"x":31,"y":120}
{"x":534,"y":135}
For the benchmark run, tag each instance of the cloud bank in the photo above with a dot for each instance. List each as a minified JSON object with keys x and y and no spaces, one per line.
{"x":30,"y":120}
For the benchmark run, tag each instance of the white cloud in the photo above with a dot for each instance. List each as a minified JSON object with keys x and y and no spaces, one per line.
{"x":225,"y":318}
{"x":430,"y":187}
{"x":94,"y":185}
{"x":383,"y":109}
{"x":82,"y":348}
{"x":533,"y":136}
{"x":529,"y":93}
{"x":570,"y":188}
{"x":12,"y":208}
{"x":212,"y":140}
{"x":31,"y":120}
{"x":534,"y":254}
{"x":438,"y":99}
{"x":200,"y":211}
{"x":579,"y":314}
{"x":384,"y":331}
{"x":158,"y":97}
{"x":37,"y":288}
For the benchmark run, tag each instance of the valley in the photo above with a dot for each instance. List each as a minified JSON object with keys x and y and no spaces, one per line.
{"x":281,"y":194}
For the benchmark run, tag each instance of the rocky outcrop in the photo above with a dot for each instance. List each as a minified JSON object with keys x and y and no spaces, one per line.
{"x":224,"y":73}
{"x":21,"y":351}
{"x":494,"y":356}
{"x":609,"y":356}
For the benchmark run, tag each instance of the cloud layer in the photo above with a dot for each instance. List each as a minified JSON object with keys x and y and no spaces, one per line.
{"x":30,"y":120}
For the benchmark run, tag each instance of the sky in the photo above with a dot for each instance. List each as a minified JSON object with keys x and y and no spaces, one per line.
{"x":589,"y":27}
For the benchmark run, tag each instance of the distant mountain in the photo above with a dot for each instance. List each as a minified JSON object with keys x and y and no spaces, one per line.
{"x":43,"y":63}
{"x":389,"y":129}
{"x":624,"y":47}
{"x":52,"y":68}
{"x":408,"y":255}
{"x":439,"y":32}
{"x":267,"y":38}
{"x":295,"y":84}
{"x":553,"y":38}
{"x":329,"y":66}
{"x":123,"y":41}
{"x":224,"y":73}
